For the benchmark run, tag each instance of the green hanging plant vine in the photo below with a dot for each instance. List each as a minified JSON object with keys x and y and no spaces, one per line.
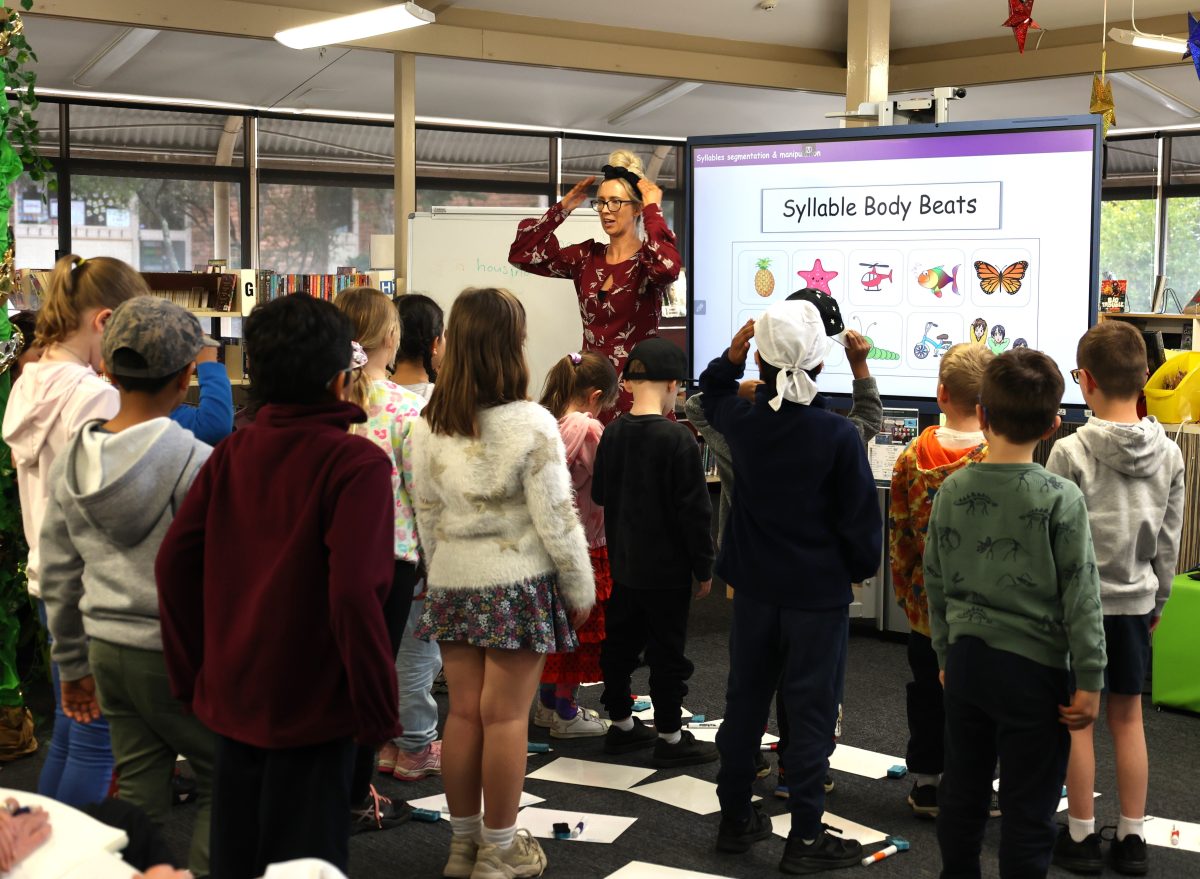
{"x":20,"y":631}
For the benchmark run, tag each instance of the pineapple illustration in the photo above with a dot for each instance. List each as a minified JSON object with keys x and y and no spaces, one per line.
{"x":764,"y":281}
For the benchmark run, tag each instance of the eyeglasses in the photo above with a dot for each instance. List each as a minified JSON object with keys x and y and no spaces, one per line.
{"x":609,"y":204}
{"x":1075,"y":373}
{"x":348,"y":372}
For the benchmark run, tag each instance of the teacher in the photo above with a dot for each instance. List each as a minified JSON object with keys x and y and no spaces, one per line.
{"x":620,"y":285}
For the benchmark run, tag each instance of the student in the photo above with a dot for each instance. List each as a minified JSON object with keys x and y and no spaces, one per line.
{"x":507,"y":564}
{"x":1014,"y":600}
{"x":1131,"y":476}
{"x":56,"y":396}
{"x":919,"y":471}
{"x":866,"y":412}
{"x":578,"y":389}
{"x":391,"y":411}
{"x":417,"y":752}
{"x":212,"y":419}
{"x":29,"y":352}
{"x":804,"y":525}
{"x":115,"y":490}
{"x":657,"y":519}
{"x":271,"y":583}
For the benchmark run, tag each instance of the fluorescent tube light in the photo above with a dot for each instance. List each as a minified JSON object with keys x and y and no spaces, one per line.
{"x":113,"y":57}
{"x":347,"y":28}
{"x":650,"y":103}
{"x":1148,"y":41}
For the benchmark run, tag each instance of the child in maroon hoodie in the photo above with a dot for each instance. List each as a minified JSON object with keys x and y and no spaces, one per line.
{"x":272,"y":580}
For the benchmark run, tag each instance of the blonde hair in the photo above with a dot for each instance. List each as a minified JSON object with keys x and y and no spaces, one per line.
{"x":485,"y":361}
{"x":373,"y":316}
{"x":78,"y":285}
{"x":961,"y":373}
{"x":626,"y":159}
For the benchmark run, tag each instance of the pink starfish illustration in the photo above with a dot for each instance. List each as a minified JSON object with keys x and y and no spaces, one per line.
{"x":818,"y":277}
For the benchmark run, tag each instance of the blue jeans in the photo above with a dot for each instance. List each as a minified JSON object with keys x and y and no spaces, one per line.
{"x":417,"y":664}
{"x":79,"y":762}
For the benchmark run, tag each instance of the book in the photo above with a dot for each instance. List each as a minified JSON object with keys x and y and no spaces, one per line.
{"x":1112,"y":295}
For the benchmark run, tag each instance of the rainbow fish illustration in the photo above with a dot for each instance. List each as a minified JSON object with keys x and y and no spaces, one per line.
{"x":938,"y":279}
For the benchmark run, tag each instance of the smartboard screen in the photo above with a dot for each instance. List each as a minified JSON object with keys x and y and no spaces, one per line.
{"x":926,"y":235}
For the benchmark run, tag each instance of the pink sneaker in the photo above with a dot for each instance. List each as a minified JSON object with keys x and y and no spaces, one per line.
{"x":385,"y":760}
{"x":415,"y":765}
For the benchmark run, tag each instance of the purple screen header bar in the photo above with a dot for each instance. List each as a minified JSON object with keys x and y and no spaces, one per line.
{"x":1070,"y":140}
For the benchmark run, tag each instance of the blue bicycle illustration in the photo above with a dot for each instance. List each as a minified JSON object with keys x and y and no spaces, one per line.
{"x":939,"y":346}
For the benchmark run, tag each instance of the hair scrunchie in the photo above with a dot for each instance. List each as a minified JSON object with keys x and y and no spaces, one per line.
{"x":576,"y":357}
{"x":358,"y":357}
{"x":617,"y":172}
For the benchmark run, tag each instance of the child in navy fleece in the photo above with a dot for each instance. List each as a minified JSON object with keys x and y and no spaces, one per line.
{"x":212,"y":420}
{"x":805,"y":524}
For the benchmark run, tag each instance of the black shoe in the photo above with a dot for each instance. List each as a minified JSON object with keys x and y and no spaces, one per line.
{"x":828,"y":852}
{"x":924,"y":801}
{"x":830,"y":785}
{"x":1128,"y":856}
{"x":378,"y":812}
{"x":685,"y":752}
{"x":736,"y":836}
{"x":762,"y":768}
{"x":1079,"y":857}
{"x":619,"y":741}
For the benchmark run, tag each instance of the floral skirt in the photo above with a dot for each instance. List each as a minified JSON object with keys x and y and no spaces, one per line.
{"x":583,"y":666}
{"x":517,"y":616}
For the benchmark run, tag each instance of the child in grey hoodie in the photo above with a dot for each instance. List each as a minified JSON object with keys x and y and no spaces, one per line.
{"x":114,"y":493}
{"x":1131,"y":475}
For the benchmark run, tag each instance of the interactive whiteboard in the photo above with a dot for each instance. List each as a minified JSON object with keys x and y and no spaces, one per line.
{"x":926,"y":235}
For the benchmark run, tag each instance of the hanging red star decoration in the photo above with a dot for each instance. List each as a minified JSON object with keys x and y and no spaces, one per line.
{"x":1020,"y":19}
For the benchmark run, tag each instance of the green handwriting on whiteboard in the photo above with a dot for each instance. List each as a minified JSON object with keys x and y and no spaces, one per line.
{"x":494,"y":269}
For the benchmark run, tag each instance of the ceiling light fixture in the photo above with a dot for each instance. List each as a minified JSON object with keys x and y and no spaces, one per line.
{"x":119,"y":52}
{"x":1148,"y":41}
{"x":652,"y":102}
{"x":347,"y":28}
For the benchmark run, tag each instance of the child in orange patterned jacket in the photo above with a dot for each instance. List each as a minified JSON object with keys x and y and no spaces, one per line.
{"x":918,"y":474}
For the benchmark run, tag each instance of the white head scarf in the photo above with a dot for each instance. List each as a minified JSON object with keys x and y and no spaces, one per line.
{"x":791,"y":336}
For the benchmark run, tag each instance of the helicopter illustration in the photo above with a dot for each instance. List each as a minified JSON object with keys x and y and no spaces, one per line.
{"x":872,"y":277}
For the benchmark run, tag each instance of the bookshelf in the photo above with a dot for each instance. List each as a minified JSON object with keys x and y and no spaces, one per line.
{"x":1185,"y":326}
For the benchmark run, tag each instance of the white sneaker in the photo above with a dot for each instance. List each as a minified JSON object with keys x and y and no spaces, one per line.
{"x":461,"y":863}
{"x":543,"y":717}
{"x":524,"y":859}
{"x":586,"y":724}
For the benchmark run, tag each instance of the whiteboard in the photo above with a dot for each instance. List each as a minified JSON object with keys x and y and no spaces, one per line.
{"x":451,"y":249}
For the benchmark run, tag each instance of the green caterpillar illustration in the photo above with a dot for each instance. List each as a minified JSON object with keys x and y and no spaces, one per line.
{"x":875,"y":353}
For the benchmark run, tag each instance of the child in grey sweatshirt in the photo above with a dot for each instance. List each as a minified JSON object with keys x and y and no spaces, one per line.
{"x":114,"y":492}
{"x":1131,"y":475}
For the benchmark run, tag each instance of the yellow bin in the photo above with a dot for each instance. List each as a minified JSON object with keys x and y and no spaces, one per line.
{"x":1181,"y":403}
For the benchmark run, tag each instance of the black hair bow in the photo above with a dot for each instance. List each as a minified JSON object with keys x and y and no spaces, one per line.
{"x":617,"y":172}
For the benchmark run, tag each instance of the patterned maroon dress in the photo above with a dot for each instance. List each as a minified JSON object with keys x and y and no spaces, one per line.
{"x":616,"y":319}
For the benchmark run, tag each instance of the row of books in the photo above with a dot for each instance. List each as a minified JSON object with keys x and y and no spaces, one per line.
{"x":272,"y":285}
{"x":708,"y":459}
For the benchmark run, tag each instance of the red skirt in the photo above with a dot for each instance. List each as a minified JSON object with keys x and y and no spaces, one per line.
{"x":583,"y":665}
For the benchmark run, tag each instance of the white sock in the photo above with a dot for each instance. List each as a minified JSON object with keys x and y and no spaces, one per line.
{"x":502,"y":838}
{"x":1130,"y":827}
{"x":671,"y":738}
{"x":1080,"y":829}
{"x":924,"y":780}
{"x":472,"y":826}
{"x":624,"y":725}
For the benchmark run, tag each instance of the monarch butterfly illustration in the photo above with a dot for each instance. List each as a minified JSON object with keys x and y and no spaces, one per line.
{"x":875,"y":353}
{"x":991,"y":278}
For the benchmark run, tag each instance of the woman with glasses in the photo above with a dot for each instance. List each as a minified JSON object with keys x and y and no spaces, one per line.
{"x":620,"y":284}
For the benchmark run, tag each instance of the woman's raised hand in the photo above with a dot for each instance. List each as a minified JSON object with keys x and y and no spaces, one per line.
{"x":651,"y":194}
{"x":578,"y":194}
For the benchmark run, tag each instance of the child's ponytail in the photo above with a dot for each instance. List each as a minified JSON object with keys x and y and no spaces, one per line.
{"x":78,"y":285}
{"x":422,"y":323}
{"x":371,"y":313}
{"x":574,"y":378}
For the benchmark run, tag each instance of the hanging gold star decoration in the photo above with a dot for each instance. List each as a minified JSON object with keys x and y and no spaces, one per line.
{"x":1102,"y":101}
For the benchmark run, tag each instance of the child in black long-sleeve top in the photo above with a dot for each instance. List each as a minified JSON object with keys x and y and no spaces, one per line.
{"x":657,"y":520}
{"x":805,"y":524}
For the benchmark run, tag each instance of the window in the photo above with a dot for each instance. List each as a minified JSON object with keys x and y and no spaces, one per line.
{"x":312,"y":230}
{"x":156,"y":224}
{"x":1182,"y":263}
{"x":427,"y":199}
{"x":1127,"y":247}
{"x":35,"y":222}
{"x":124,"y":134}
